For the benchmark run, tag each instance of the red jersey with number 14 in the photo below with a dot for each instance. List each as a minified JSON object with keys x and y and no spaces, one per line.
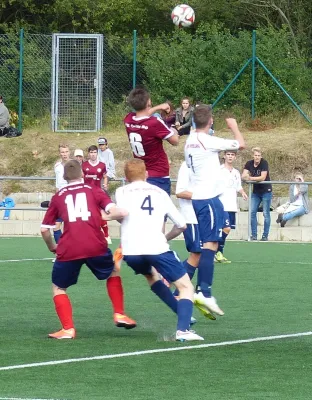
{"x":93,"y":173}
{"x":146,"y":135}
{"x":79,"y":207}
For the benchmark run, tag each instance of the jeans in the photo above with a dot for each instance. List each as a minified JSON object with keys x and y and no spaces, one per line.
{"x":295,"y":213}
{"x":256,"y":199}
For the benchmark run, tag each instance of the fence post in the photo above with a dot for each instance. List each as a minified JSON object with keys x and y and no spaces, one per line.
{"x":253,"y":75}
{"x":20,"y":83}
{"x":134,"y":61}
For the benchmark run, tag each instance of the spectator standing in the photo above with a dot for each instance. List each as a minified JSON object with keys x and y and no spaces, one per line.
{"x":78,"y":154}
{"x":107,"y":157}
{"x":4,"y":117}
{"x":60,"y":182}
{"x":184,"y":117}
{"x":298,"y":203}
{"x":257,"y":170}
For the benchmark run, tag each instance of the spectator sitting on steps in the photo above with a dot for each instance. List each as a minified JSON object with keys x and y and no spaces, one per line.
{"x":298,"y":203}
{"x":4,"y":117}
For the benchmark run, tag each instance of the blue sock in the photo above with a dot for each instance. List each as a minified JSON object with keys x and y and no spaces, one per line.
{"x":57,"y":234}
{"x":190,"y":271}
{"x":205,"y":272}
{"x":164,"y":293}
{"x":222,"y":242}
{"x":185,"y":310}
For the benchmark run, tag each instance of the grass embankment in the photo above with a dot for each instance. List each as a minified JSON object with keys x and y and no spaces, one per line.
{"x":34,"y":153}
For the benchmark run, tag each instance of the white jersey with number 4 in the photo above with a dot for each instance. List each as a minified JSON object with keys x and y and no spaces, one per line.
{"x":201,"y":155}
{"x":233,"y":184}
{"x":141,"y":230}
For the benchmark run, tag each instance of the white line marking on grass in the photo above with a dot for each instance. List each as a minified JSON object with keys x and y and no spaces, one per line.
{"x":155,"y":351}
{"x":26,"y":259}
{"x":271,"y":262}
{"x":22,"y":398}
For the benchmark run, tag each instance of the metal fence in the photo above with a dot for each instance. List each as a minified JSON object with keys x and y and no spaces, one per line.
{"x":162,"y":63}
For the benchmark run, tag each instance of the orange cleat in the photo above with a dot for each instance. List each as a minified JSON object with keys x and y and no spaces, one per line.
{"x":118,"y":257}
{"x":123,"y":321}
{"x":63,"y":334}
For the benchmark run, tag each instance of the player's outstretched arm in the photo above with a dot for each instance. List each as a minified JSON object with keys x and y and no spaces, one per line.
{"x":175,"y":232}
{"x":47,"y":237}
{"x":160,"y":107}
{"x":114,"y":213}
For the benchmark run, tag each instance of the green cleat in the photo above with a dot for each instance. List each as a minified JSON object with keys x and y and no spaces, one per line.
{"x":219,"y":257}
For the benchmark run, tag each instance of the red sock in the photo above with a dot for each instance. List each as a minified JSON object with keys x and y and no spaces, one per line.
{"x":64,"y":310}
{"x":115,"y":292}
{"x":104,"y":227}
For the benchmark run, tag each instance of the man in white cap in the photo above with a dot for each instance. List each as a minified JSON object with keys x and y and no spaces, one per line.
{"x":78,"y":154}
{"x":107,"y":157}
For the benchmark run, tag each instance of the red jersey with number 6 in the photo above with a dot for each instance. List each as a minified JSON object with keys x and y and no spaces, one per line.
{"x":146,"y":135}
{"x":79,"y":207}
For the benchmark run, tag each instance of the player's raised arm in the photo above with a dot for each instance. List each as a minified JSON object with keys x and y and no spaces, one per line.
{"x":232,"y":125}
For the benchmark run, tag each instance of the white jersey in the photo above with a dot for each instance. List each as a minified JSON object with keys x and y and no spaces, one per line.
{"x":60,"y":182}
{"x":184,"y":183}
{"x":233,"y":184}
{"x":201,"y":155}
{"x":141,"y":230}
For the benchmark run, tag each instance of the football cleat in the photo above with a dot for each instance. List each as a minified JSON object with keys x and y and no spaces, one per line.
{"x":123,"y":321}
{"x":219,"y":257}
{"x":118,"y":257}
{"x":208,"y":303}
{"x":185,"y":336}
{"x":63,"y":334}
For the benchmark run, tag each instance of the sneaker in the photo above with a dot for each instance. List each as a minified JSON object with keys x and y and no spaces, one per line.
{"x":193,"y":321}
{"x":253,"y":238}
{"x":118,"y":257}
{"x":184,"y":336}
{"x":123,"y":321}
{"x":265,"y":238}
{"x":283,"y":223}
{"x":208,"y":303}
{"x":63,"y":334}
{"x":279,"y":218}
{"x":219,"y":257}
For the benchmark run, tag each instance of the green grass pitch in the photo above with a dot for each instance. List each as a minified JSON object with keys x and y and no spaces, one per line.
{"x":266,"y":291}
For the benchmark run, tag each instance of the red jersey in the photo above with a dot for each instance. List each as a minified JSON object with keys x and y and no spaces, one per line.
{"x":93,"y":174}
{"x":146,"y":135}
{"x":79,"y":207}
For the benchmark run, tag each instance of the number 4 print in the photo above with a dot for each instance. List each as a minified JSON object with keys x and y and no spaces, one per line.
{"x":79,"y":209}
{"x":149,"y":207}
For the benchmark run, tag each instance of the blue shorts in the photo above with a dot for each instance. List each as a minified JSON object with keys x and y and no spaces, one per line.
{"x":209,"y":215}
{"x":167,"y":264}
{"x":193,"y":243}
{"x":162,"y":183}
{"x":66,"y":273}
{"x":59,"y":220}
{"x":229,"y":219}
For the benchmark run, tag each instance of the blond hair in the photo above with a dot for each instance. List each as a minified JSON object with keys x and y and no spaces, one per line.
{"x":256,"y":149}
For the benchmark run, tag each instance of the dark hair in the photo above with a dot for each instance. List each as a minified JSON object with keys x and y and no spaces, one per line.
{"x":138,"y":98}
{"x":72,"y":170}
{"x":202,"y":115}
{"x":92,"y":148}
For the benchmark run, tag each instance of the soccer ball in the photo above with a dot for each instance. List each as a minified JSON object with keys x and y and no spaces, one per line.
{"x":183,"y":15}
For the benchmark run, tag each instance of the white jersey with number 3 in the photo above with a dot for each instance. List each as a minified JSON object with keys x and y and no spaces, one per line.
{"x":141,"y":230}
{"x":201,"y":156}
